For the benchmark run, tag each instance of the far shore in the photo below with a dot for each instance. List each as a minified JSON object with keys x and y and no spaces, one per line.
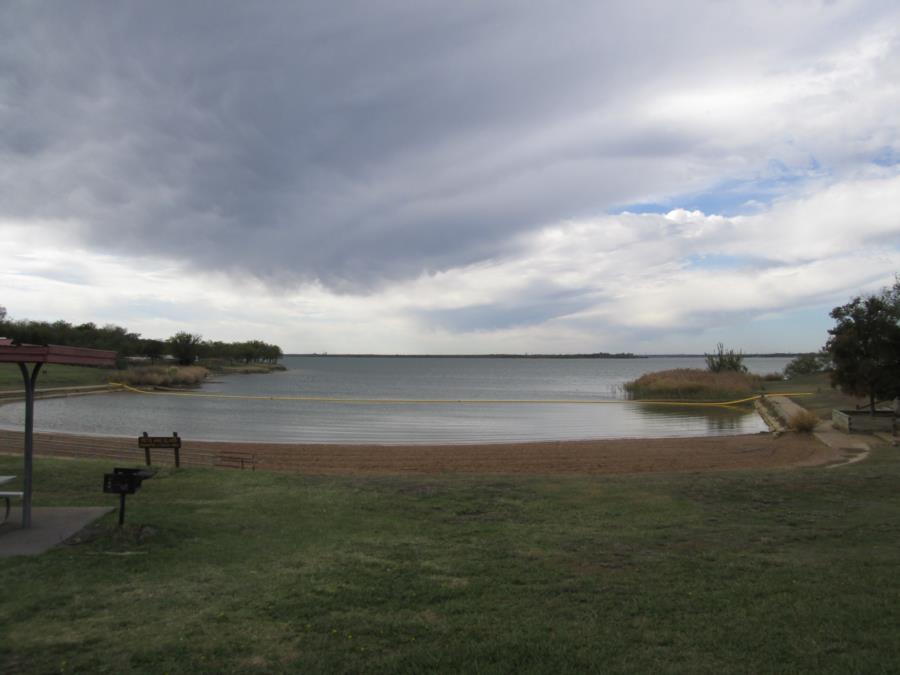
{"x":590,"y":457}
{"x":593,"y":355}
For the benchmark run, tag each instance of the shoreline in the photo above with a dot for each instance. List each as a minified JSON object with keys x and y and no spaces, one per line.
{"x":592,"y":457}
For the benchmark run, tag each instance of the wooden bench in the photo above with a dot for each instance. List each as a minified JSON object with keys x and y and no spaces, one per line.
{"x":6,"y":496}
{"x":237,"y":460}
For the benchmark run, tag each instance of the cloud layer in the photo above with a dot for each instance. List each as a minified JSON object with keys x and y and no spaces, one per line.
{"x":486,"y":176}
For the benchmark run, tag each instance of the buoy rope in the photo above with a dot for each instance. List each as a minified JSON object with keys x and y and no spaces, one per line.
{"x":165,"y":391}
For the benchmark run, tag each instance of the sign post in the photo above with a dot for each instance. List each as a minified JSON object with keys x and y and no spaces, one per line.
{"x":174,"y":441}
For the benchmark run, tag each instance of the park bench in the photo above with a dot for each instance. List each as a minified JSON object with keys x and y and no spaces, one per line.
{"x":237,"y":460}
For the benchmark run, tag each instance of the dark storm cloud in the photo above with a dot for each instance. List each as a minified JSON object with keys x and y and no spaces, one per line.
{"x":536,"y":304}
{"x":345,"y":142}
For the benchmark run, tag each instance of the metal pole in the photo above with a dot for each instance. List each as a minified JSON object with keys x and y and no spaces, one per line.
{"x":29,"y":440}
{"x":147,"y":450}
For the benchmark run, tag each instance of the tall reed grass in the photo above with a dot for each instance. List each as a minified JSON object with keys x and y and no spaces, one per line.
{"x":164,"y":376}
{"x":693,"y":384}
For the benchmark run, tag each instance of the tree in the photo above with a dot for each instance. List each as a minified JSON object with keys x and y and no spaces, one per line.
{"x":806,"y":364}
{"x":725,"y":360}
{"x":185,"y":347}
{"x":865,"y":346}
{"x":153,"y":349}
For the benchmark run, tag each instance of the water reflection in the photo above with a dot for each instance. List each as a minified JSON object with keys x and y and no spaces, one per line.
{"x":291,"y":421}
{"x":703,"y":419}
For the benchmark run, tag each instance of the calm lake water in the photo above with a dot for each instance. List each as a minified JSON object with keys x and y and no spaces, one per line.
{"x":405,"y":378}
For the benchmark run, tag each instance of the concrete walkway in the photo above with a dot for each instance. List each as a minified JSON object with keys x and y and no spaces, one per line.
{"x":49,"y":526}
{"x":784,"y":407}
{"x":853,"y":447}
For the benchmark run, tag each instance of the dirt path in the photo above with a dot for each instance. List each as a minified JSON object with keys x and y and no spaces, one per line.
{"x":543,"y":458}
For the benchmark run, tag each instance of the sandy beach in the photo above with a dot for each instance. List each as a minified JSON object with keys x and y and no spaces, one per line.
{"x":593,"y":457}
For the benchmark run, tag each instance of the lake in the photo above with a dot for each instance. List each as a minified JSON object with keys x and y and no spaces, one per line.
{"x":475,"y":380}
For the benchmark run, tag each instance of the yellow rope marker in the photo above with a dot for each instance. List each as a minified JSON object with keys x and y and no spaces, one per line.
{"x":164,"y":391}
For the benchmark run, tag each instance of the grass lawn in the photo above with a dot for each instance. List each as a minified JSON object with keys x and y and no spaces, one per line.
{"x":231,"y":571}
{"x":54,"y":375}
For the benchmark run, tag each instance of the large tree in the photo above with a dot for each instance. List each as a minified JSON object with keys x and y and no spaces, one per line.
{"x":865,"y":346}
{"x":185,"y":347}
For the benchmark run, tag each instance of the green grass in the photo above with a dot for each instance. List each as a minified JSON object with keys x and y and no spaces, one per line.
{"x":54,"y":375}
{"x":823,"y":398}
{"x":230,"y":571}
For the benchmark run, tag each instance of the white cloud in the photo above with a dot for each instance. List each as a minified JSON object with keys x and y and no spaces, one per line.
{"x":435,"y":184}
{"x":599,"y":284}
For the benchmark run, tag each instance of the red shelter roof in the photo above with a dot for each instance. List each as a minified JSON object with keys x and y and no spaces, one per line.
{"x":76,"y":356}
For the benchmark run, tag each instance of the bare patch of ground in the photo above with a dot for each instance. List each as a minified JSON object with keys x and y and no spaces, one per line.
{"x":593,"y":457}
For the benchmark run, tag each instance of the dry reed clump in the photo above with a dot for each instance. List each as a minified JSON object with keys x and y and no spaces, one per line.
{"x":163,"y":376}
{"x":692,"y":383}
{"x":803,"y":421}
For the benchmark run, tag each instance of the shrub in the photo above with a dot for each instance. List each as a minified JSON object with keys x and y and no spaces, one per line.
{"x":803,"y":421}
{"x":773,"y":377}
{"x":806,"y":364}
{"x":725,"y":361}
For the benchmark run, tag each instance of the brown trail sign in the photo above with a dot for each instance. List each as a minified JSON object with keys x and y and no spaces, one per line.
{"x":174,"y":441}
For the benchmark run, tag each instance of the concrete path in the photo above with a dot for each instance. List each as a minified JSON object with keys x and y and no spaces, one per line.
{"x":852,"y":447}
{"x":784,"y":407}
{"x":49,"y":526}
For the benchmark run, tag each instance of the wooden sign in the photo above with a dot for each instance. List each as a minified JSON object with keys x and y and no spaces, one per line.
{"x":174,"y":442}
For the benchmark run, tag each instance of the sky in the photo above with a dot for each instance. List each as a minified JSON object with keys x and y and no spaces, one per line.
{"x":468,"y":177}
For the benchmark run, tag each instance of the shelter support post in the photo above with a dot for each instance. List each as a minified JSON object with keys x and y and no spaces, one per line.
{"x":29,"y":380}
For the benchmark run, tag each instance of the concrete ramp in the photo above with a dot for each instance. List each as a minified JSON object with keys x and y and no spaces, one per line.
{"x":50,"y":526}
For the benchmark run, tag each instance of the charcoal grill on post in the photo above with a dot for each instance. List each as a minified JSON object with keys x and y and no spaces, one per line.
{"x":124,"y":482}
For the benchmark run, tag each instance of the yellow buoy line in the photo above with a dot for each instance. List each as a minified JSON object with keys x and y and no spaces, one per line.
{"x":164,"y":391}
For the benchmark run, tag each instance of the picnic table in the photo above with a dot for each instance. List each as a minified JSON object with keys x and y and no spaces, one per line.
{"x":6,"y":495}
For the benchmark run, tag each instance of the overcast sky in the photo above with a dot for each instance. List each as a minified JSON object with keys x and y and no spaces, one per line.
{"x":437,"y":177}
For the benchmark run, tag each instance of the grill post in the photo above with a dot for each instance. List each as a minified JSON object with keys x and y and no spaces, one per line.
{"x":122,"y":509}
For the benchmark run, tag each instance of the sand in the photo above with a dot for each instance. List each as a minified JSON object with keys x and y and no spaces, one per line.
{"x":593,"y":457}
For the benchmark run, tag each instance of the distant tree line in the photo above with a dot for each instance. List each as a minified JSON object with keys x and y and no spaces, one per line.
{"x":186,"y":347}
